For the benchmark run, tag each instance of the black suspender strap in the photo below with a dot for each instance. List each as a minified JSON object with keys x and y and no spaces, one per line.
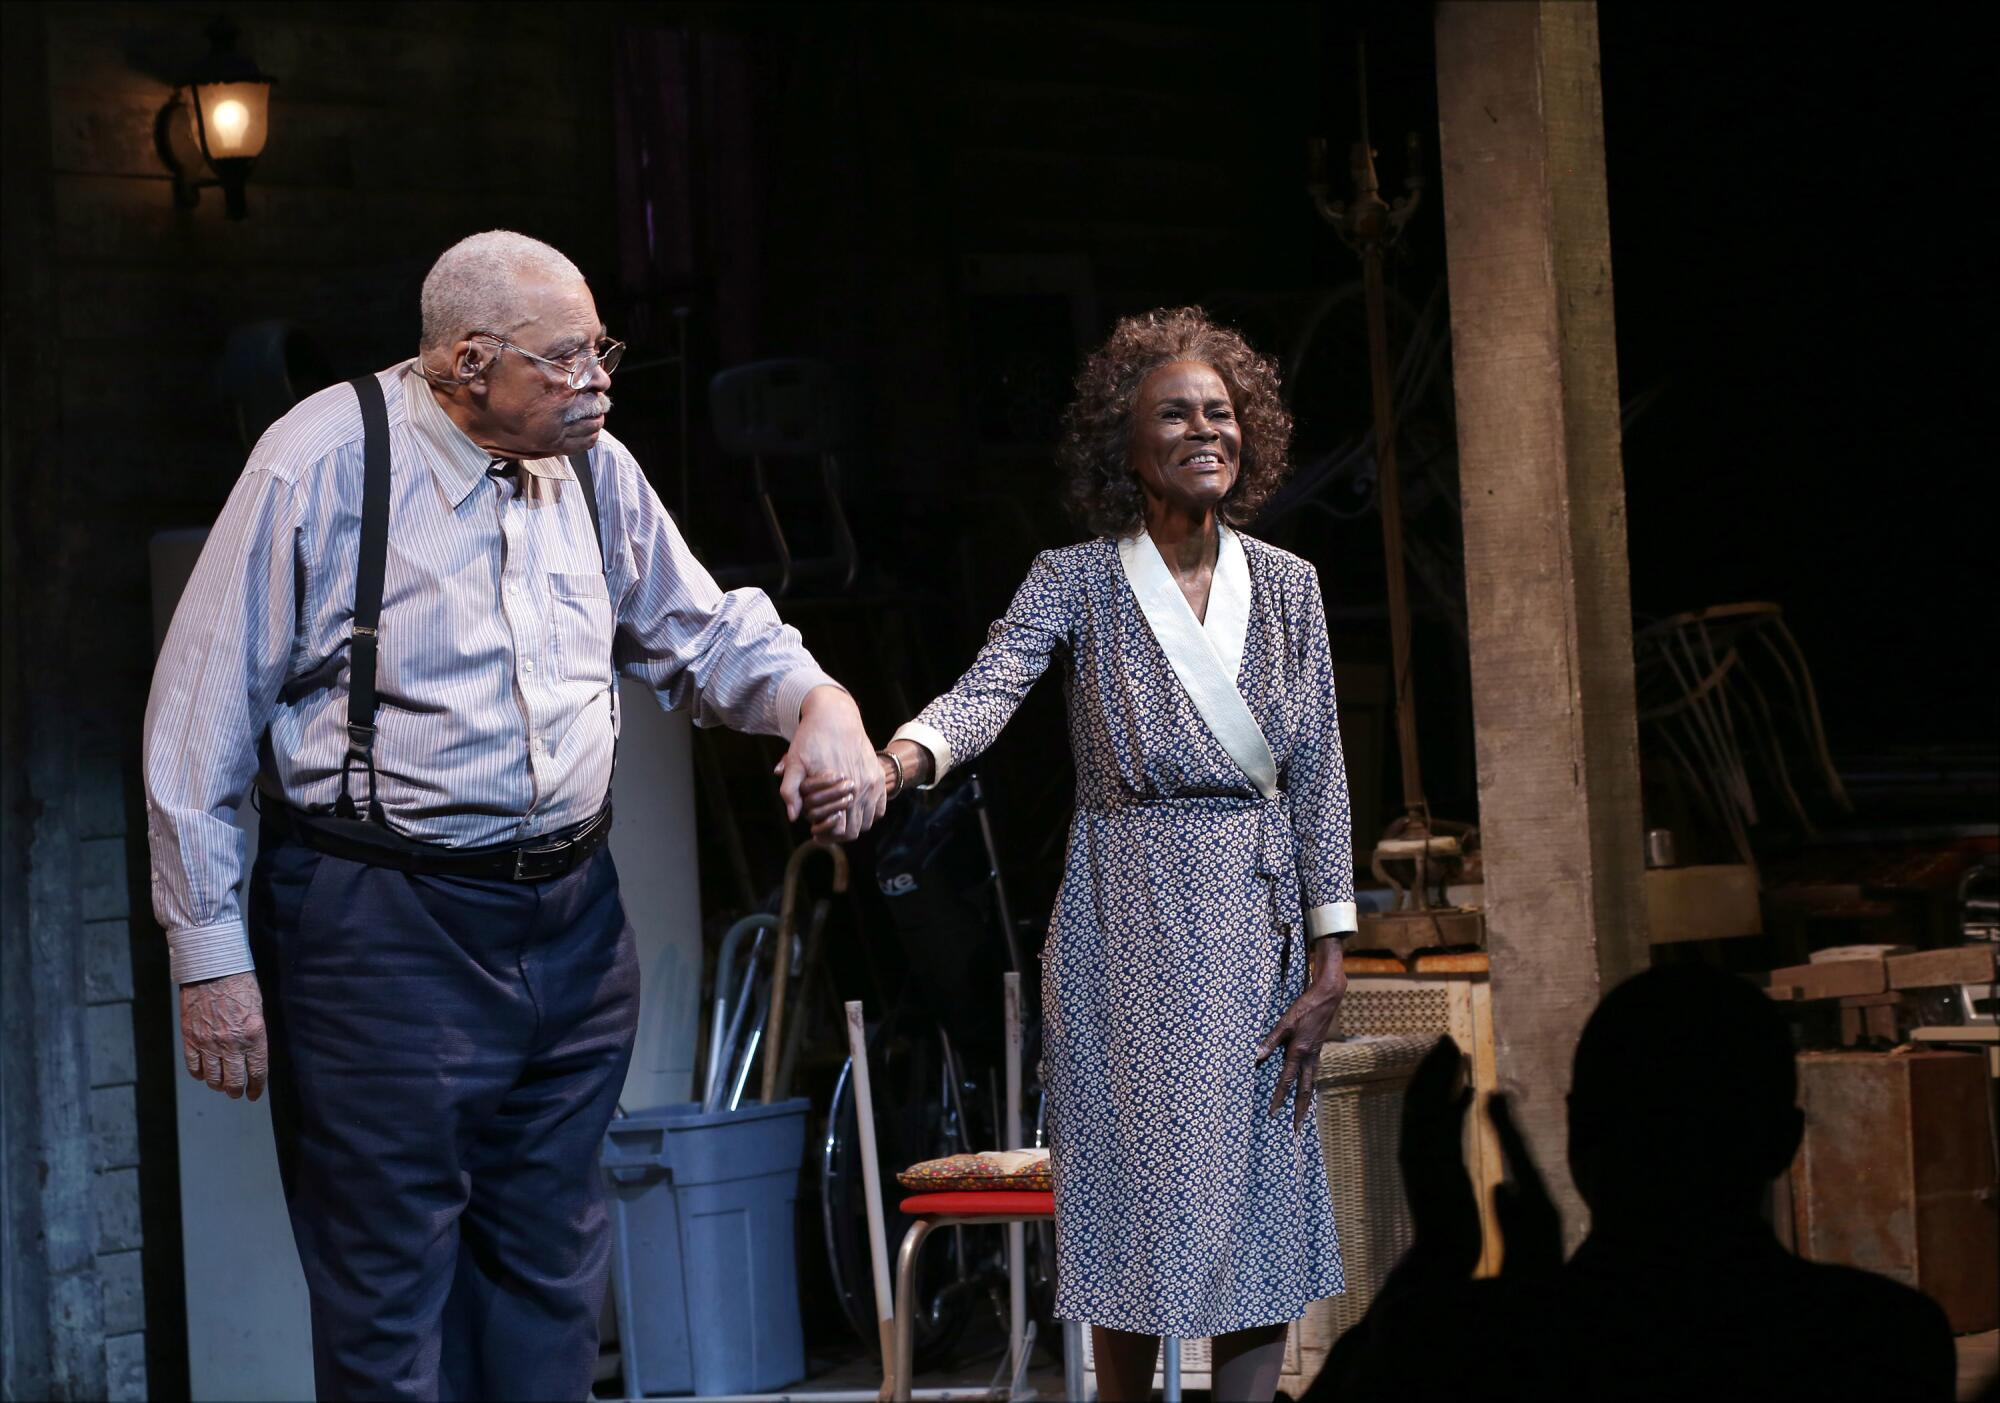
{"x":370,"y":570}
{"x":373,"y":565}
{"x":580,"y":464}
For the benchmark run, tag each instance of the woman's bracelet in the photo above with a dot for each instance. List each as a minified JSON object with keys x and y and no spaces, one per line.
{"x":893,"y":759}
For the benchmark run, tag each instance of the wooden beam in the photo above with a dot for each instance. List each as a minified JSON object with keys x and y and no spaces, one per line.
{"x":1527,"y":242}
{"x":1830,"y":979}
{"x":1931,"y":969}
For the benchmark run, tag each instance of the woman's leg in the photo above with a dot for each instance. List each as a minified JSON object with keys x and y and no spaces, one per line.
{"x":1125,"y":1364}
{"x":1247,"y":1364}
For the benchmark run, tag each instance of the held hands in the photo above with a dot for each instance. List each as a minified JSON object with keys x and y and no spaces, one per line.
{"x":831,"y":773}
{"x":222,"y":1034}
{"x":826,"y":796}
{"x":1303,"y":1029}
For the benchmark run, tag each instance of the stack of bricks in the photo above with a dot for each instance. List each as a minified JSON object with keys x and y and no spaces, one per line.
{"x":113,"y":1069}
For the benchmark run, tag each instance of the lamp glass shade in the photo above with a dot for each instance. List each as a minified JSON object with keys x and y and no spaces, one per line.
{"x":233,"y":118}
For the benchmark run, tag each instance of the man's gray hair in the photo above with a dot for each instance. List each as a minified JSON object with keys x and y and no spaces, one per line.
{"x":474,"y":284}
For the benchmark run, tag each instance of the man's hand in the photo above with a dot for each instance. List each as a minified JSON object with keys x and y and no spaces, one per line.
{"x":222,"y":1034}
{"x":832,"y":746}
{"x":1303,"y":1029}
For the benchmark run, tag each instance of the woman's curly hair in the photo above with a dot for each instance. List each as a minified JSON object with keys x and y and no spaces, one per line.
{"x":1094,"y":453}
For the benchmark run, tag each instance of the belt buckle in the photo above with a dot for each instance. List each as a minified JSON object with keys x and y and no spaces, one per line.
{"x":536,"y":864}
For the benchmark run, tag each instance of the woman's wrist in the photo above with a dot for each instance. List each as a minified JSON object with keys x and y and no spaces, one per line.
{"x":919,"y":768}
{"x":893,"y":778}
{"x":904,"y":764}
{"x":1326,"y":953}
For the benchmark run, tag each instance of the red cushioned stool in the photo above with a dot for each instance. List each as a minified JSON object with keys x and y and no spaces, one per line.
{"x":947,"y":1210}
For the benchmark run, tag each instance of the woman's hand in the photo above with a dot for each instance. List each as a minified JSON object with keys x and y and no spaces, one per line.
{"x":824,"y":800}
{"x":1303,"y":1029}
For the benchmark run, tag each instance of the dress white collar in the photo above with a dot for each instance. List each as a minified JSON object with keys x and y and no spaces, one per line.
{"x":1227,"y":623}
{"x":1206,"y":654}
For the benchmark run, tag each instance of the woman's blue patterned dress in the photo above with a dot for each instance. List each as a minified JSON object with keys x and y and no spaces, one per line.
{"x":1182,"y":1207}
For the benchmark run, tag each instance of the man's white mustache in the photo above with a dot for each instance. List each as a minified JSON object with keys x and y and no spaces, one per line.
{"x":588,"y":407}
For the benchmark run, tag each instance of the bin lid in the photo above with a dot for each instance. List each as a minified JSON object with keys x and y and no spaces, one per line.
{"x":750,"y":1142}
{"x":688,"y":1115}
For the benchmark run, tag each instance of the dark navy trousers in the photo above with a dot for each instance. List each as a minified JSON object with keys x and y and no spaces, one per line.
{"x":445,"y":1056}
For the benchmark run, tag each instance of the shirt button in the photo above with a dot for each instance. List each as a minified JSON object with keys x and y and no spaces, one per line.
{"x":527,"y":665}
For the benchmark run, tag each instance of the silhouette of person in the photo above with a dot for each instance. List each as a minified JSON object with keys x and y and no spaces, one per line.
{"x":1682,"y":1108}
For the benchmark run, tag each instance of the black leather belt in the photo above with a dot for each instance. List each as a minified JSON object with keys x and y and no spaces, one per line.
{"x":536,"y":860}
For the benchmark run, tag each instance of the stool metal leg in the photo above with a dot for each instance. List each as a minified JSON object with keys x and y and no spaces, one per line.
{"x":901,"y":1367}
{"x":1073,"y":1361}
{"x":1170,"y":1352}
{"x":1017,"y":1281}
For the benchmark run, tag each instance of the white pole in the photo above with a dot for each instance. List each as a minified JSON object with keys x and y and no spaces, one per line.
{"x":1017,"y":1279}
{"x":871,"y":1181}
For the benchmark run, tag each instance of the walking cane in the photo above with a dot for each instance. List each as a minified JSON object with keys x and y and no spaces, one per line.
{"x":781,"y":971}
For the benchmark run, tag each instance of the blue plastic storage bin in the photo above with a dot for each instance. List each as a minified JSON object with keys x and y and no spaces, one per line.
{"x":708,"y":1296}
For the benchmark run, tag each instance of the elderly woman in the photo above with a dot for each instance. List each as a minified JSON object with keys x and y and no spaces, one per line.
{"x":1209,"y":876}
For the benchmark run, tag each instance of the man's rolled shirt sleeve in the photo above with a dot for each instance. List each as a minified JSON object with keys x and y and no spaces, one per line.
{"x":728,"y":656}
{"x":214,"y":689}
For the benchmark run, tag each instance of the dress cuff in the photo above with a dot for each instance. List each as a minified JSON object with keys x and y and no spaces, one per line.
{"x":792,"y":697}
{"x":209,"y":952}
{"x":1334,"y":918}
{"x":931,"y":739}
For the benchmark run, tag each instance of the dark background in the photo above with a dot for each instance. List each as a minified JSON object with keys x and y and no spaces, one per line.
{"x":948,"y":204}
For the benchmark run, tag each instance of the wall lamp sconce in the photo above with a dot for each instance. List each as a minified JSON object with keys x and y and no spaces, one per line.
{"x":220,"y":117}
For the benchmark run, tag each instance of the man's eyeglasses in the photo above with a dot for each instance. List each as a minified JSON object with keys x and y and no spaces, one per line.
{"x":577,"y":369}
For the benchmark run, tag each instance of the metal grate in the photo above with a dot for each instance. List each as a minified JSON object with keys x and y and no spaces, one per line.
{"x":1368,"y":1009}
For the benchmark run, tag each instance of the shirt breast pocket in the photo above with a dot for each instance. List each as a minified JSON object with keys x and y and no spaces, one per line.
{"x":581,"y":625}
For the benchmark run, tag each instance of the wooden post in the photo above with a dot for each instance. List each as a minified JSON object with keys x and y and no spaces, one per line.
{"x":1527,"y":238}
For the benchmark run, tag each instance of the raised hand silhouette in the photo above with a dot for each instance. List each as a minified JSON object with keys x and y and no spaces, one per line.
{"x":1442,"y":1207}
{"x":1531,"y":1230}
{"x":1682,"y":1108}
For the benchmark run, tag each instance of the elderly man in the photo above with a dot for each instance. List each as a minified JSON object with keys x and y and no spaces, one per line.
{"x":407,"y":625}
